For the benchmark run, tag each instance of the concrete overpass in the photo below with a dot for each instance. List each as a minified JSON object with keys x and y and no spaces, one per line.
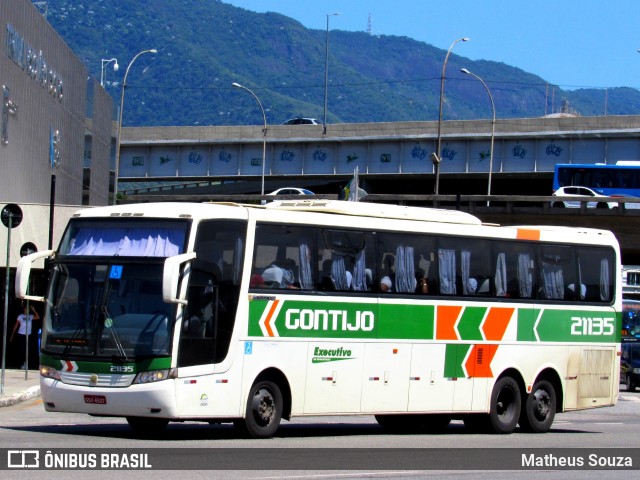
{"x":391,"y":157}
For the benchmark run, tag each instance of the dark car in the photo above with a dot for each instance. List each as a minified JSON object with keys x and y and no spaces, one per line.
{"x":630,"y":365}
{"x":301,"y":121}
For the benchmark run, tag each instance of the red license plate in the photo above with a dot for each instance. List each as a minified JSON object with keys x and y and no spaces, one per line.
{"x":95,"y":399}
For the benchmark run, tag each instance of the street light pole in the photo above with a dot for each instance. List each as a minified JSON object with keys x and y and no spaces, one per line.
{"x":106,"y":62}
{"x":493,"y":125}
{"x":326,"y":72}
{"x":124,"y":85}
{"x":264,"y":131}
{"x":435,"y":157}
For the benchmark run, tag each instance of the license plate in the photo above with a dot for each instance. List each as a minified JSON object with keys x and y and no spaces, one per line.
{"x":95,"y":399}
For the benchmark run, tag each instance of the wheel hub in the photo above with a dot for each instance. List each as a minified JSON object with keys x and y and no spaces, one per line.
{"x":263,"y":407}
{"x":541,"y":404}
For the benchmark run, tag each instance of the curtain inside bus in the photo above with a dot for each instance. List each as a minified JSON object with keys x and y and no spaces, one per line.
{"x":129,"y":242}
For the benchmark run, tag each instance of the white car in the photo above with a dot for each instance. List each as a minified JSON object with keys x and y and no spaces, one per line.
{"x":600,"y":201}
{"x":291,"y":191}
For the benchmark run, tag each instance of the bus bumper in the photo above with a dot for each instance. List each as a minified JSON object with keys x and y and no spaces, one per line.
{"x":155,"y":399}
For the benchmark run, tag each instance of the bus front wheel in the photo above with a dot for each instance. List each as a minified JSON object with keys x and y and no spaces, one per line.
{"x":539,"y":408}
{"x":505,"y":405}
{"x":264,"y":410}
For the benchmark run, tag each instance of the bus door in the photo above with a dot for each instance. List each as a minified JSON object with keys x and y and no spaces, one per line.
{"x":337,"y":358}
{"x":385,"y":379}
{"x":208,"y":319}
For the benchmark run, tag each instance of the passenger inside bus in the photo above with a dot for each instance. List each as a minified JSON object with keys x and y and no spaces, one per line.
{"x":280,"y":274}
{"x":386,"y":284}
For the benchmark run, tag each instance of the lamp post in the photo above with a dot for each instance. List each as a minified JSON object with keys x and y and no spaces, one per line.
{"x":124,"y":85}
{"x":106,"y":62}
{"x":326,"y":72}
{"x":435,"y":157}
{"x":493,"y":125}
{"x":264,"y":131}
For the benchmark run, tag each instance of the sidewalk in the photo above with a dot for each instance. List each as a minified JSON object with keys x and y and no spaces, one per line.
{"x":17,"y":389}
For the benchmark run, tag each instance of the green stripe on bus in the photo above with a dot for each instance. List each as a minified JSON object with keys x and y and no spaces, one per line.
{"x":93,"y":366}
{"x":313,"y":319}
{"x":271,"y":317}
{"x":341,"y":320}
{"x":469,"y":325}
{"x":526,"y":321}
{"x":406,"y":321}
{"x":455,"y":353}
{"x":571,"y":325}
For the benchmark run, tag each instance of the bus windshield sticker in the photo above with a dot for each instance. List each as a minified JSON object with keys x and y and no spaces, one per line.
{"x":116,"y":272}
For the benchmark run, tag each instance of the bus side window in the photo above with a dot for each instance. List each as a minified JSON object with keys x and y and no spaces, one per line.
{"x":447,"y":271}
{"x":595,"y":267}
{"x":557,"y":272}
{"x":514,"y":270}
{"x":283,"y":257}
{"x":342,"y":260}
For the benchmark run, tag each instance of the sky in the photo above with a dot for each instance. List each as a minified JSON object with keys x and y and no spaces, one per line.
{"x":571,"y":44}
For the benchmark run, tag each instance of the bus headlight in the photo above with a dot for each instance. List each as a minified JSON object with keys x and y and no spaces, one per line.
{"x":49,"y":372}
{"x":152,"y":376}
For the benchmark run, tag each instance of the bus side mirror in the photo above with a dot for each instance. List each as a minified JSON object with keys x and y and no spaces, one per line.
{"x":171,"y":277}
{"x":23,"y":273}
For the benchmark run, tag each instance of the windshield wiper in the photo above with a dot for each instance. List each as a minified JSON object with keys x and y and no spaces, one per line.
{"x":108,"y":324}
{"x":78,"y":333}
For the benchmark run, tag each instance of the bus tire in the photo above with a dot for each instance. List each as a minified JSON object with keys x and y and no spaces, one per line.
{"x":539,"y":408}
{"x":264,"y":410}
{"x":505,"y":405}
{"x":147,"y":425}
{"x":631,"y":387}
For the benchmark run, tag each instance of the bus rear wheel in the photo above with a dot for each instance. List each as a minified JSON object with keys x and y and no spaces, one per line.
{"x":147,"y":425}
{"x":505,"y":405}
{"x":264,"y":410}
{"x":539,"y":408}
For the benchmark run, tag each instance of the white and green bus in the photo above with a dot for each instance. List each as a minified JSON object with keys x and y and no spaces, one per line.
{"x":251,"y":314}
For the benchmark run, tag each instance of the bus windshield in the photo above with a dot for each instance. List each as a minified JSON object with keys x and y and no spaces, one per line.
{"x":105,"y":294}
{"x":630,"y":318}
{"x":107,"y":309}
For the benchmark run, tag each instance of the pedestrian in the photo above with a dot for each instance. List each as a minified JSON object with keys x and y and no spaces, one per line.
{"x":24,"y":327}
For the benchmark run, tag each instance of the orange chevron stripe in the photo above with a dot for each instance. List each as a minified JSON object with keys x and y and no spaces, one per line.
{"x":496,"y":323}
{"x":446,"y":321}
{"x":479,"y":362}
{"x":267,"y":322}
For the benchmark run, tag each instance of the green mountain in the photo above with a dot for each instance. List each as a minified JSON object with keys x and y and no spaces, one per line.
{"x":206,"y":45}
